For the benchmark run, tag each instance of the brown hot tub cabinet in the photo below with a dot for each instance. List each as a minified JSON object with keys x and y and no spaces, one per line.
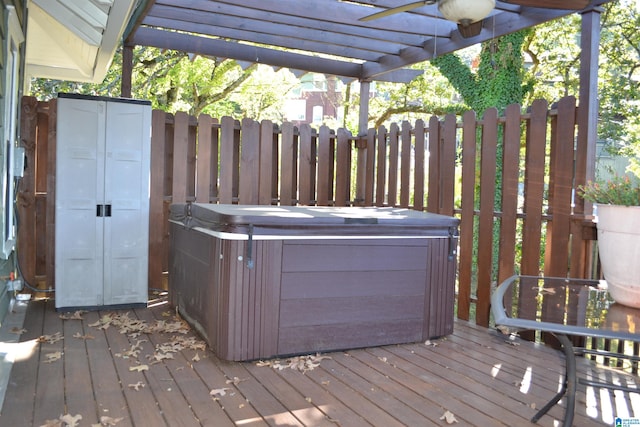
{"x":263,"y":281}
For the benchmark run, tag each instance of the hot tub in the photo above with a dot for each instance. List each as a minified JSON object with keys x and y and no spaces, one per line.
{"x":263,"y":281}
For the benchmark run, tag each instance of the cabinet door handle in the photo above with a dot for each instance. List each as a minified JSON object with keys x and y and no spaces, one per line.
{"x":99,"y":210}
{"x":107,"y":210}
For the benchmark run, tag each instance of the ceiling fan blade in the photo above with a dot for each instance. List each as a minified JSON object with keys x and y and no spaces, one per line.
{"x":552,"y":4}
{"x":399,"y":9}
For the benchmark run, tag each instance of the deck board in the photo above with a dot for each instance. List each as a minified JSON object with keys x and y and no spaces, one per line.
{"x":474,"y":373}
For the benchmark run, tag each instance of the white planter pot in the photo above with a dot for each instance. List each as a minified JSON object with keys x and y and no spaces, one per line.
{"x":619,"y":249}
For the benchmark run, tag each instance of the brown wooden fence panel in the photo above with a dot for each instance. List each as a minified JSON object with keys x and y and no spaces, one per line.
{"x":370,"y":173}
{"x":486,"y":220}
{"x":288,"y":169}
{"x":534,"y":188}
{"x":510,"y":181}
{"x":381,"y":174}
{"x":180,"y":158}
{"x":448,"y":164}
{"x":51,"y":194}
{"x":307,"y":168}
{"x":467,"y":216}
{"x":157,"y":208}
{"x":418,"y":183}
{"x":433,"y":192}
{"x":227,"y":159}
{"x":204,"y":159}
{"x":325,"y":178}
{"x":255,"y":162}
{"x":249,"y":162}
{"x":560,"y":189}
{"x":268,"y":177}
{"x":394,"y":158}
{"x":343,"y":168}
{"x":405,"y":165}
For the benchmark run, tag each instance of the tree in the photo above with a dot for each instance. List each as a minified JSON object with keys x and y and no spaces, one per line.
{"x":555,"y":52}
{"x":178,"y":81}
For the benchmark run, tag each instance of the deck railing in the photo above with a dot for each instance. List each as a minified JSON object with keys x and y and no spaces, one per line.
{"x":510,"y":178}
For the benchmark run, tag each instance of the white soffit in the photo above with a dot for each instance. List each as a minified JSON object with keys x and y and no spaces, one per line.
{"x":74,"y":40}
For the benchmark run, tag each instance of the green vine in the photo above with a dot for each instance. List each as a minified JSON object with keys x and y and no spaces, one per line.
{"x":499,"y":80}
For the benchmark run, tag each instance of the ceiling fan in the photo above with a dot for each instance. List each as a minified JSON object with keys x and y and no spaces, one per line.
{"x":468,"y":14}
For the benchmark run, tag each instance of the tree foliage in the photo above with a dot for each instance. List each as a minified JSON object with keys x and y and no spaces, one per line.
{"x":178,"y":81}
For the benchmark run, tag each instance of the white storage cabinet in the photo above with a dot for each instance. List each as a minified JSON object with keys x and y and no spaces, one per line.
{"x":102,"y":202}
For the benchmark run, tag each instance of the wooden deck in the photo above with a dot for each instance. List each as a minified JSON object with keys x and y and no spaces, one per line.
{"x":474,"y":374}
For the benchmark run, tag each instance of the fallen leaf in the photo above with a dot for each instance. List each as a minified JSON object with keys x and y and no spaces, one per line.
{"x":50,"y":339}
{"x":299,"y":363}
{"x":137,"y":386}
{"x":219,"y":391}
{"x":71,"y":420}
{"x":17,"y":331}
{"x":109,"y":421}
{"x":52,"y":423}
{"x":196,"y":358}
{"x":236,"y":380}
{"x":52,"y":357}
{"x":83,"y":337}
{"x":139,"y":368}
{"x":159,"y":357}
{"x":76,"y":315}
{"x":449,"y":417}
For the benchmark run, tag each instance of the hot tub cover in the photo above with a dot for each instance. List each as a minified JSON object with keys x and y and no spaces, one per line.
{"x":313,"y":220}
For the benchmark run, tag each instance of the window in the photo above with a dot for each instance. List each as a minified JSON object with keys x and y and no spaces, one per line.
{"x":317,"y":114}
{"x":10,"y":102}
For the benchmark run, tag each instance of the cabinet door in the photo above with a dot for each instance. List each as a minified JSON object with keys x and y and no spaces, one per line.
{"x":126,"y":237}
{"x":79,"y":190}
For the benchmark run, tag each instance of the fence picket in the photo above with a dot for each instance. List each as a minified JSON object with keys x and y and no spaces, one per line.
{"x":288,"y":170}
{"x":204,"y":159}
{"x":381,"y":166}
{"x":467,"y":216}
{"x":486,"y":219}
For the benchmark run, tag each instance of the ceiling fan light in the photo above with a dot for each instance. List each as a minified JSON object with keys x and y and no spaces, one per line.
{"x":468,"y":11}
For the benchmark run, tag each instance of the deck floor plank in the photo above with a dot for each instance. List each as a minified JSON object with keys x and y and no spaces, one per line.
{"x":288,"y":394}
{"x":107,"y":387}
{"x":50,"y":391}
{"x":437,"y":390}
{"x":473,"y":373}
{"x":142,"y":405}
{"x":21,"y":389}
{"x":390,"y":385}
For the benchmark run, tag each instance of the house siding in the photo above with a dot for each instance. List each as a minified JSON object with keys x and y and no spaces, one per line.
{"x":9,"y":265}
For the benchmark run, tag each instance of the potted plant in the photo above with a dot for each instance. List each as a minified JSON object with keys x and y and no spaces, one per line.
{"x":618,"y":226}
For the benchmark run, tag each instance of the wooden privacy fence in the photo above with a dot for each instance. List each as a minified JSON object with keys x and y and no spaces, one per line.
{"x":510,"y":179}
